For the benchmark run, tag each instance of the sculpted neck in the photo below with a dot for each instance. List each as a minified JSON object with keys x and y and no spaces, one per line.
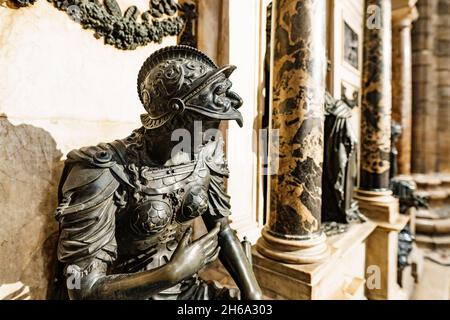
{"x":165,"y":148}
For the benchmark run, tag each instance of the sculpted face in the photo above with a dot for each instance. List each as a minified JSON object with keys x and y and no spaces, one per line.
{"x":204,"y":112}
{"x":177,"y":79}
{"x":217,"y":100}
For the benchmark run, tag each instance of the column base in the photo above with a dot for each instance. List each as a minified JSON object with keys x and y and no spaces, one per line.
{"x":293,"y":251}
{"x":433,"y":223}
{"x":382,"y":245}
{"x":340,"y":276}
{"x":378,"y":205}
{"x":381,"y":261}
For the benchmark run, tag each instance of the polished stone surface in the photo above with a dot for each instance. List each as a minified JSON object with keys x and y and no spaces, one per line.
{"x":341,"y":276}
{"x":376,"y":101}
{"x":298,"y":97}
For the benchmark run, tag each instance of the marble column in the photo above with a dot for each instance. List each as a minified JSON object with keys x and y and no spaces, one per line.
{"x":293,"y":232}
{"x":376,"y":200}
{"x":374,"y":197}
{"x":376,"y":98}
{"x":404,"y":13}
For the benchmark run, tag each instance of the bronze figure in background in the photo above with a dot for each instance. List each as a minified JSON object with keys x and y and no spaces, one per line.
{"x":340,"y":167}
{"x":396,"y":132}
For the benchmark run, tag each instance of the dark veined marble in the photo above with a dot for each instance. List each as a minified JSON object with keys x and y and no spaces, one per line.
{"x":376,"y":98}
{"x":298,"y":98}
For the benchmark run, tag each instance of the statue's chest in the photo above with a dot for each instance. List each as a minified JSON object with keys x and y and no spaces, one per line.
{"x":165,"y":196}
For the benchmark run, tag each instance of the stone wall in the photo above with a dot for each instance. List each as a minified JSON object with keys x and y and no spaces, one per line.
{"x":425,"y":103}
{"x":57,"y":76}
{"x":442,"y":52}
{"x":431,"y":88}
{"x":29,"y":172}
{"x":60,"y":88}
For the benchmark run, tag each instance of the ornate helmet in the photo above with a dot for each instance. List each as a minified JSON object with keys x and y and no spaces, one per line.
{"x":179,"y":77}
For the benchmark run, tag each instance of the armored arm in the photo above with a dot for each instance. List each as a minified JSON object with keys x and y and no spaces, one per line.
{"x":231,"y":254}
{"x":235,"y":260}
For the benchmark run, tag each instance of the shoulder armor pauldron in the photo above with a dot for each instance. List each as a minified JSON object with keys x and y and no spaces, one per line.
{"x":100,"y":156}
{"x":214,"y":156}
{"x":91,"y":175}
{"x":85,"y":188}
{"x":91,"y":162}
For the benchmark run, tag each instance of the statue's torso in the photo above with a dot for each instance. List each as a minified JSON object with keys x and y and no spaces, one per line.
{"x":157,"y":212}
{"x":120,"y":211}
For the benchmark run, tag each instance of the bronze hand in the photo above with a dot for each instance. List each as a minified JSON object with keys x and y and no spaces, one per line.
{"x":190,"y":258}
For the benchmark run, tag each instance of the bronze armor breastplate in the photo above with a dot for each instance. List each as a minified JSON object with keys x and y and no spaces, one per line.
{"x":159,"y":209}
{"x":176,"y":193}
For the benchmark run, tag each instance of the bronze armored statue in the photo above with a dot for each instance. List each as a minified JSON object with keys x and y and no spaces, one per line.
{"x":126,"y":207}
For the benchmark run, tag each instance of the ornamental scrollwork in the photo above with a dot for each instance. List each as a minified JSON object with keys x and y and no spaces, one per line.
{"x":130,"y":29}
{"x":127,"y":30}
{"x":22,"y":3}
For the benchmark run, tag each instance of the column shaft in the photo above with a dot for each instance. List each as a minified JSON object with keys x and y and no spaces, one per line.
{"x":442,"y":52}
{"x":425,"y":95}
{"x":374,"y":197}
{"x":297,"y":112}
{"x":298,"y":90}
{"x":376,"y":97}
{"x":402,"y":19}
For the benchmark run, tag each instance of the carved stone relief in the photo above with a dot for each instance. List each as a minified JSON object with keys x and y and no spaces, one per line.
{"x":124,"y":30}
